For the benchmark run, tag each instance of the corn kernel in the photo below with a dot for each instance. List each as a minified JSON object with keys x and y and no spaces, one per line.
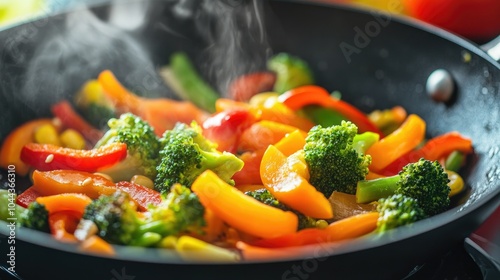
{"x":71,"y":138}
{"x":143,"y":181}
{"x":456,"y":183}
{"x":321,"y":224}
{"x":47,"y":134}
{"x":261,"y":98}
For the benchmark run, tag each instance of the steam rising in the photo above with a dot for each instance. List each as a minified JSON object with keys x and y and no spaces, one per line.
{"x":78,"y":51}
{"x":70,"y":50}
{"x":236,"y":39}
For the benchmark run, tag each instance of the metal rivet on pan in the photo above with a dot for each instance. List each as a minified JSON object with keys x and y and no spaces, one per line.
{"x":440,"y":85}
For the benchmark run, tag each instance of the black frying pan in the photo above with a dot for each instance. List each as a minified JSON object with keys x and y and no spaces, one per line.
{"x":49,"y":59}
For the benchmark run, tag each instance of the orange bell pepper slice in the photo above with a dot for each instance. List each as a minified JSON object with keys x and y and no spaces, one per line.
{"x":289,"y":187}
{"x":10,"y":152}
{"x":276,"y":111}
{"x":241,"y":211}
{"x":434,"y":149}
{"x":291,"y":143}
{"x":142,"y":195}
{"x":264,"y":133}
{"x":402,"y":140}
{"x":74,"y":202}
{"x":71,"y":181}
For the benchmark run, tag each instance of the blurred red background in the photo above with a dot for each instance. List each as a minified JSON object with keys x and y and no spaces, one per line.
{"x":478,"y":20}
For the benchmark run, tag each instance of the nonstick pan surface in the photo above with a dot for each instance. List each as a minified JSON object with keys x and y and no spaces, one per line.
{"x":49,"y":59}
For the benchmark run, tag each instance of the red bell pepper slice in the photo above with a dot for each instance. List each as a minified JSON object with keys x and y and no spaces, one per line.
{"x":225,"y":128}
{"x":143,"y":196}
{"x":250,"y":173}
{"x":246,"y":86}
{"x":315,"y":95}
{"x":50,"y":157}
{"x":71,"y":119}
{"x":28,"y":196}
{"x":435,"y":149}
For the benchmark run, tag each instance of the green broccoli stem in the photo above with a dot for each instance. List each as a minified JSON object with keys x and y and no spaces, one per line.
{"x":164,"y":228}
{"x":183,"y":78}
{"x":147,"y":239}
{"x":371,"y":190}
{"x":455,"y":161}
{"x":221,"y":163}
{"x":362,"y":142}
{"x":323,"y":116}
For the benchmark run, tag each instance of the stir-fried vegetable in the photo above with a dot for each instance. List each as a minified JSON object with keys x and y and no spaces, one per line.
{"x":227,"y":178}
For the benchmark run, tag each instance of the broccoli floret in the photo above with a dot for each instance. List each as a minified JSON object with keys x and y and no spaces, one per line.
{"x":398,"y":210}
{"x":180,"y":211}
{"x":143,"y":147}
{"x":7,"y":199}
{"x":264,"y":196}
{"x":92,"y":102}
{"x":334,"y":163}
{"x":115,"y":217}
{"x":186,"y":153}
{"x":425,"y":180}
{"x":291,"y":72}
{"x":35,"y":217}
{"x":118,"y":222}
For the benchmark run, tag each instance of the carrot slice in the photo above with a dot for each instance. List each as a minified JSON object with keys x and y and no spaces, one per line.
{"x":348,"y":228}
{"x":291,"y":188}
{"x":161,"y":113}
{"x":250,"y":252}
{"x":95,"y":244}
{"x":241,"y":211}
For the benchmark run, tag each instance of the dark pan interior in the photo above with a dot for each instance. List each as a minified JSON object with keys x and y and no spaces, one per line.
{"x":47,"y":60}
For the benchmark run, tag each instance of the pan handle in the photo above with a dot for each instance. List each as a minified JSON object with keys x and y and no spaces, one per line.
{"x":493,"y":48}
